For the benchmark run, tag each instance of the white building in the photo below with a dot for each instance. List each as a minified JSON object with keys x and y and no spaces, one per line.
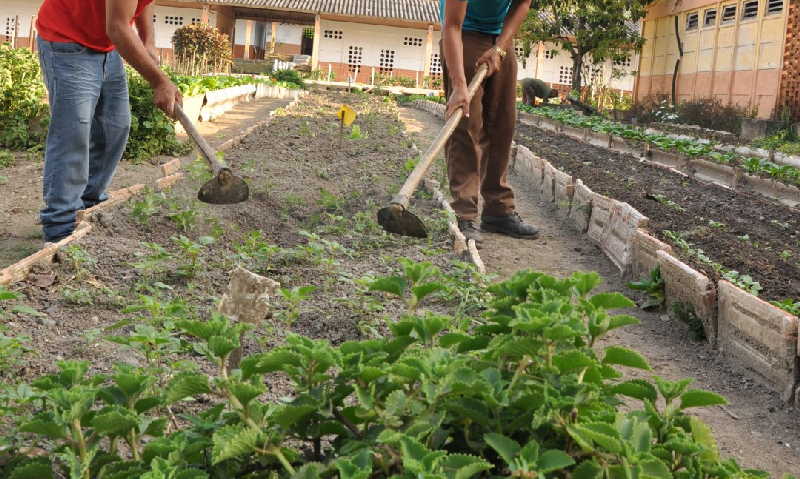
{"x":356,"y":39}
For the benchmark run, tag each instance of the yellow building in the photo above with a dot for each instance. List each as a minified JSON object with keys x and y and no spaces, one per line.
{"x":744,"y":52}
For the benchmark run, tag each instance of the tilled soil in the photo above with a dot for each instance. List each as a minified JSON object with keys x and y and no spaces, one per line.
{"x":310,"y":221}
{"x":743,"y":232}
{"x":755,"y":428}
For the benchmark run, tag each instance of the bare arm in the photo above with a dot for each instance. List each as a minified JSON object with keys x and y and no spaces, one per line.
{"x":147,"y":31}
{"x":455,"y":12}
{"x":119,"y":14}
{"x":517,"y":14}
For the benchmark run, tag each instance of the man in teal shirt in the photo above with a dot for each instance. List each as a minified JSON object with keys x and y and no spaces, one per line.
{"x":474,"y":33}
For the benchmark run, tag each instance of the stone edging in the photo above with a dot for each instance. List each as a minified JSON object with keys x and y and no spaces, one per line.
{"x":170,"y":175}
{"x":748,"y":330}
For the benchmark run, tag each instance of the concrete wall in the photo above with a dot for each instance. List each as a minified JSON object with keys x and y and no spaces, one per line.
{"x":737,"y":61}
{"x":169,"y":19}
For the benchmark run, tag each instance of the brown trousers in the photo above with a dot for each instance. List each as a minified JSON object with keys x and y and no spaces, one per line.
{"x":479,"y":151}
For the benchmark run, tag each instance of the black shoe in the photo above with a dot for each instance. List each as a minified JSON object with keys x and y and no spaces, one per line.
{"x":511,"y":225}
{"x":470,"y":231}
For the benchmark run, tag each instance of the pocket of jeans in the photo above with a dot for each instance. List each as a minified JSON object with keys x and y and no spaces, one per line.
{"x":67,"y":48}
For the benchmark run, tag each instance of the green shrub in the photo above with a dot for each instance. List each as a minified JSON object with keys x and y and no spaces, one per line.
{"x":24,"y":114}
{"x":152,"y":132}
{"x":526,"y":392}
{"x":288,"y":76}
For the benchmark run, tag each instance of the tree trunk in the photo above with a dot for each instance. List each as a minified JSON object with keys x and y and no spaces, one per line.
{"x":577,"y":72}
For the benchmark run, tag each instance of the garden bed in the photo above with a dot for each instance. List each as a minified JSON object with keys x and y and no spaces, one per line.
{"x":718,"y":231}
{"x":310,"y":221}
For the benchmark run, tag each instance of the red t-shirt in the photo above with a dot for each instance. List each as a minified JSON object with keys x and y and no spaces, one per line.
{"x":78,"y":21}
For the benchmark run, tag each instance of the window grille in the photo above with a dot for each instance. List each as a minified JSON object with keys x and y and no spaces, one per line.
{"x":386,"y":61}
{"x":436,"y":64}
{"x":565,"y":75}
{"x":355,"y":56}
{"x":412,"y":42}
{"x":333,"y":34}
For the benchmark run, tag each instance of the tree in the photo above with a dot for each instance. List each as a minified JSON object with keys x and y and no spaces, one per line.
{"x":603,"y":29}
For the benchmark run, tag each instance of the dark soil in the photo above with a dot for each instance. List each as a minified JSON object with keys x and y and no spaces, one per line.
{"x":313,"y":206}
{"x":747,"y":233}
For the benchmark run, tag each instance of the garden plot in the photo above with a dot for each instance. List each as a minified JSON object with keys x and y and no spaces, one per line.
{"x":746,"y":238}
{"x":310,"y":222}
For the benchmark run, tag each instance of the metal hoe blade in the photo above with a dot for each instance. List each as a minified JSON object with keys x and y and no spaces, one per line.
{"x":398,"y":220}
{"x":224,"y":189}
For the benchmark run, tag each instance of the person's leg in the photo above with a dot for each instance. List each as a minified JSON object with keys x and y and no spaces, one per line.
{"x":110,"y":127}
{"x":500,"y":118}
{"x":463,"y":150}
{"x":73,"y":77}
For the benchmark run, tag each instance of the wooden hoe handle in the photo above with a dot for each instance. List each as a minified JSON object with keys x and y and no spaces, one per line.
{"x":404,"y":196}
{"x":191,"y":130}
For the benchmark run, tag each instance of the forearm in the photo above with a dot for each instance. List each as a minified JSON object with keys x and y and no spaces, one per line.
{"x":517,"y":14}
{"x":134,"y":52}
{"x":454,"y":56}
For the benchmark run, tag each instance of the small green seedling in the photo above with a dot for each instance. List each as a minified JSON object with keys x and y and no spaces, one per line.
{"x":293,"y":298}
{"x":653,"y":287}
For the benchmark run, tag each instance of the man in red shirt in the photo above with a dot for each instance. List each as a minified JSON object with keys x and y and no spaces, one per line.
{"x":81,"y":47}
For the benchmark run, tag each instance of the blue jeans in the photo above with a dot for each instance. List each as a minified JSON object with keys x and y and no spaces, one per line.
{"x":89,"y":125}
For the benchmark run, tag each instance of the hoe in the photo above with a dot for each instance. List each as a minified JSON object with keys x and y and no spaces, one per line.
{"x":225,"y":188}
{"x":395,"y":218}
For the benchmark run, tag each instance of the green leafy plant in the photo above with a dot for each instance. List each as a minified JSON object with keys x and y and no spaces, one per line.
{"x":190,"y":253}
{"x":527,"y":390}
{"x":154,"y":261}
{"x":80,"y":260}
{"x":654,"y":287}
{"x":294,"y":297}
{"x":744,"y":281}
{"x":149,"y":204}
{"x":789,"y":305}
{"x":185,"y":218}
{"x":24,"y":113}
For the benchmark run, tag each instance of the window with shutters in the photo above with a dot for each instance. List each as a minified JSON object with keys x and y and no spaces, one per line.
{"x":436,"y":65}
{"x":332,"y":34}
{"x":728,"y":14}
{"x":565,"y":75}
{"x":355,"y":56}
{"x":774,"y":7}
{"x":386,"y":61}
{"x":750,"y":10}
{"x":692,"y":21}
{"x":412,"y":42}
{"x":173,"y":20}
{"x":710,"y":18}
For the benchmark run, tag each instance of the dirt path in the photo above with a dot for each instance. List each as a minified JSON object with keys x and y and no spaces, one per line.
{"x":755,"y":428}
{"x":20,"y":235}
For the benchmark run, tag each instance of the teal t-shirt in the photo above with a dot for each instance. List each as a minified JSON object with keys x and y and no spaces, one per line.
{"x":484,"y":16}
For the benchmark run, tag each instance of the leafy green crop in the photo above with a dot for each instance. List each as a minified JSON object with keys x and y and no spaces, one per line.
{"x":691,"y":148}
{"x":24,"y":113}
{"x":526,"y":391}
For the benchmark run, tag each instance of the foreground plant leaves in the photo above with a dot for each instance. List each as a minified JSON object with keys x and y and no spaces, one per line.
{"x":522,"y":391}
